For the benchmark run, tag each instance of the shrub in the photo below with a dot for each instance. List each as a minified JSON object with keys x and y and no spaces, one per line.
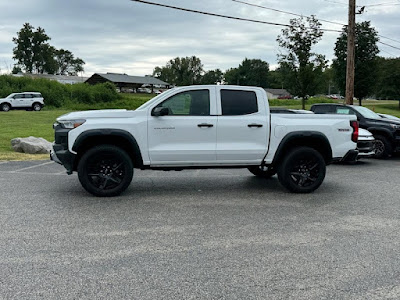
{"x":57,"y":94}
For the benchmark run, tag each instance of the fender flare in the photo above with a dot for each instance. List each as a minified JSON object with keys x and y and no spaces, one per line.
{"x":291,"y":138}
{"x":380,"y":130}
{"x":103,"y":133}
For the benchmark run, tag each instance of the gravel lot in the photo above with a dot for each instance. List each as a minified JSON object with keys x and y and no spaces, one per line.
{"x":200,"y":234}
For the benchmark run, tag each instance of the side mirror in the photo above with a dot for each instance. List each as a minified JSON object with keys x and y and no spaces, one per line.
{"x":160,"y":111}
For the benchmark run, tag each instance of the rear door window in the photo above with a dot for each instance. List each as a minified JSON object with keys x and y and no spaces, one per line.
{"x":236,"y":103}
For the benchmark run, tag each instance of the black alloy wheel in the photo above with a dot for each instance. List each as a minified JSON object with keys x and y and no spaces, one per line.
{"x":105,"y":171}
{"x":302,"y":170}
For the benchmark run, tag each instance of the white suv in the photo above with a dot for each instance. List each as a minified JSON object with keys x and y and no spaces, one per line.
{"x":25,"y":100}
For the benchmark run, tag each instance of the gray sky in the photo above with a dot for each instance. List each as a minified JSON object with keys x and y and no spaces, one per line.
{"x":129,"y":37}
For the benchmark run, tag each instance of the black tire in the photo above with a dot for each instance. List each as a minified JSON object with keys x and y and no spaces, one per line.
{"x":383,"y":148}
{"x":5,"y":107}
{"x":262,"y":171}
{"x":36,"y":106}
{"x":302,"y":170}
{"x":105,"y":171}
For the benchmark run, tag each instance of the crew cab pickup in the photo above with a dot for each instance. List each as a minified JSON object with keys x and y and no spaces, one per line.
{"x":213,"y":126}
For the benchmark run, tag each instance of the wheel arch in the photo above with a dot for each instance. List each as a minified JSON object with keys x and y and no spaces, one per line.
{"x":6,"y":102}
{"x":312,"y":139}
{"x":115,"y":137}
{"x":381,"y":131}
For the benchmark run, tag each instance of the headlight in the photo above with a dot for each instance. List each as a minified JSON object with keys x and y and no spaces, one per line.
{"x":71,"y":124}
{"x":395,"y":126}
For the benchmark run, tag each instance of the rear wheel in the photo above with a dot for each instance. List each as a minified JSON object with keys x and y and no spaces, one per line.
{"x":302,"y":170}
{"x":5,"y":107}
{"x":36,"y":107}
{"x":382,"y":147}
{"x":105,"y":171}
{"x":262,"y":171}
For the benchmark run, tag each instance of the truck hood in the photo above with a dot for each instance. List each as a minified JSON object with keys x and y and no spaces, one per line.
{"x":384,"y":121}
{"x":93,"y":114}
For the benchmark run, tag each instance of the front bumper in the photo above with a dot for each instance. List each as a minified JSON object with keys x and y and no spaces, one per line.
{"x":63,"y":157}
{"x":60,"y":153}
{"x":366,"y":148}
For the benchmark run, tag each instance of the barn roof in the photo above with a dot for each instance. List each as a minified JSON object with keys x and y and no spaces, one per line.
{"x":127,"y":79}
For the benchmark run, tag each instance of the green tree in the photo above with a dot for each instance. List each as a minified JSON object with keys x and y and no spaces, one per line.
{"x":251,"y":72}
{"x":67,"y":64}
{"x":34,"y":54}
{"x":388,"y":78}
{"x":366,"y":50}
{"x":302,"y":68}
{"x":181,"y":71}
{"x":276,"y":79}
{"x":212,"y":77}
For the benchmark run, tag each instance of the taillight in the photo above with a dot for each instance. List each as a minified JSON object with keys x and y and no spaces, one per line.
{"x":355,"y":126}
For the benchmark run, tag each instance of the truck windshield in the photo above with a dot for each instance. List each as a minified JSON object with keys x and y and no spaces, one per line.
{"x":152,"y":100}
{"x":367,"y":113}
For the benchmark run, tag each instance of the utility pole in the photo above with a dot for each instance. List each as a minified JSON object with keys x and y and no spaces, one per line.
{"x":351,"y":34}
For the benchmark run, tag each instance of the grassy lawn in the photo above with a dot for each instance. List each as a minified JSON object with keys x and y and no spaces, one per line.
{"x":22,"y":123}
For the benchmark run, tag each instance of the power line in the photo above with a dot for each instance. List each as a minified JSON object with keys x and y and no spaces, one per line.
{"x":284,"y":12}
{"x":335,"y":2}
{"x":299,"y":15}
{"x":219,"y":15}
{"x":382,"y":4}
{"x":388,"y":53}
{"x":244,"y":19}
{"x":389,"y":45}
{"x":385,"y":37}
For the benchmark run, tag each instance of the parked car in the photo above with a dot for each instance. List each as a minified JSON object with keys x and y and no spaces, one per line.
{"x":280,"y":110}
{"x":385,"y":131}
{"x":365,"y":144}
{"x":285,"y":97}
{"x":25,"y":100}
{"x":390,"y":117}
{"x":204,"y":126}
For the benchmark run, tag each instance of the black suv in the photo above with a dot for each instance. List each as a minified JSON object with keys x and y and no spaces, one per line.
{"x":386,"y":132}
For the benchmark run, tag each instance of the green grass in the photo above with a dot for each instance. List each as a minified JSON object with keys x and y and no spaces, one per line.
{"x":20,"y":123}
{"x":39,"y":124}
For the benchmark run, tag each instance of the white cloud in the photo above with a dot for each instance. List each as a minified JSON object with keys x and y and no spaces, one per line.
{"x":125,"y":36}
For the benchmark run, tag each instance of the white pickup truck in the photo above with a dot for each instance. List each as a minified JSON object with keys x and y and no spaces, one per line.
{"x":213,"y":126}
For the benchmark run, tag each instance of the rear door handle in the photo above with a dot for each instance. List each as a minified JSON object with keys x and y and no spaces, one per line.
{"x":205,"y":125}
{"x":255,"y":125}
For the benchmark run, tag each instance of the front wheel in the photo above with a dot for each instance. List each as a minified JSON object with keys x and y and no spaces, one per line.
{"x":105,"y":171}
{"x":5,"y":107}
{"x":302,"y":170}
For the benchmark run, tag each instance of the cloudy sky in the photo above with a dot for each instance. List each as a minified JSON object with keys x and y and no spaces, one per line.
{"x":124,"y":36}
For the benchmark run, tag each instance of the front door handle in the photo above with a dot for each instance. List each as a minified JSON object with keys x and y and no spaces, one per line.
{"x":255,"y":125}
{"x":205,"y":125}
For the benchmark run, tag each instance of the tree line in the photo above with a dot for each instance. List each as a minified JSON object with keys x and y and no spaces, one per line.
{"x":34,"y":54}
{"x":301,"y":71}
